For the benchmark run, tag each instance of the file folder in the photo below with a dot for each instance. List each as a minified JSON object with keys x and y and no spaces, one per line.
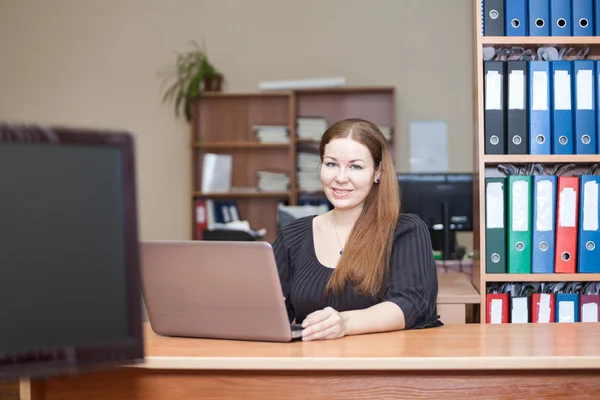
{"x":495,"y":228}
{"x":542,"y":308}
{"x":583,"y":17}
{"x":539,"y":18}
{"x":517,"y":108}
{"x":590,"y":302}
{"x":562,"y":113}
{"x":494,"y":125}
{"x":493,"y":17}
{"x":540,"y":132}
{"x":567,"y":307}
{"x":519,"y":311}
{"x":565,"y":258}
{"x":515,"y":15}
{"x":561,"y":18}
{"x":519,"y":224}
{"x":497,"y":308}
{"x":584,"y":118}
{"x":588,"y":257}
{"x":596,"y":18}
{"x":544,"y":222}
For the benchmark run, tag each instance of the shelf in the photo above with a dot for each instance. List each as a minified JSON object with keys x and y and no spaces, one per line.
{"x":541,"y":277}
{"x":530,"y":158}
{"x":541,"y":40}
{"x":240,"y":145}
{"x":240,"y":194}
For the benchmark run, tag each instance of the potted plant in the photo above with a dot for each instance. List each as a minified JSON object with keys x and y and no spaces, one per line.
{"x":192,"y":73}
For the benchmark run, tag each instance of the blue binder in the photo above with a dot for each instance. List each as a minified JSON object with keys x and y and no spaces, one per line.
{"x":588,"y":257}
{"x":515,"y":20}
{"x":560,"y":18}
{"x":539,"y":18}
{"x":567,"y":307}
{"x":561,"y":72}
{"x":597,"y":18}
{"x":583,"y":17}
{"x":584,"y":107}
{"x":544,"y":222}
{"x":540,"y":132}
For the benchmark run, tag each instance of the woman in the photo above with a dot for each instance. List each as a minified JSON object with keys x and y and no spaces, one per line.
{"x":361,"y":267}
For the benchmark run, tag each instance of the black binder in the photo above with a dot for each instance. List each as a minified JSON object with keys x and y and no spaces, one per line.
{"x":493,"y":18}
{"x":517,"y":109}
{"x":494,"y":106}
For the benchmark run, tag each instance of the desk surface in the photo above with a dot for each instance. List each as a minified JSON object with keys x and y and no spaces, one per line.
{"x":456,"y":288}
{"x":452,"y":347}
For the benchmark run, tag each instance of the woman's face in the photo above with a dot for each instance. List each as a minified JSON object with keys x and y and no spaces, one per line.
{"x":347,"y":173}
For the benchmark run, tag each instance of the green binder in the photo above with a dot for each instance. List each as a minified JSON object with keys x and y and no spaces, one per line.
{"x":495,"y":225}
{"x":519,"y":223}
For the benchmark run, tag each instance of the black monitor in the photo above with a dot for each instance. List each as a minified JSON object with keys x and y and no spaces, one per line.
{"x":444,"y":201}
{"x":70,"y":296}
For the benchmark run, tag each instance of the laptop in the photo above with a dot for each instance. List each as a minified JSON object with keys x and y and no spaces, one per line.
{"x":215,"y":290}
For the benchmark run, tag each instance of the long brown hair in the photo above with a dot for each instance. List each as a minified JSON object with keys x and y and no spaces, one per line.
{"x":366,"y":255}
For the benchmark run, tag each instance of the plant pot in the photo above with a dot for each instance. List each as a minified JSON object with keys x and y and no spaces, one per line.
{"x":214,"y":83}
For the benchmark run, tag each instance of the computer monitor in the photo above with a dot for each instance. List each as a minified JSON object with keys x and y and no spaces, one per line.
{"x":443,"y":201}
{"x":70,"y":297}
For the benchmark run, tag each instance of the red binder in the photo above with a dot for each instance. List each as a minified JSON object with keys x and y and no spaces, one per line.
{"x":201,"y":220}
{"x":542,"y":307}
{"x":567,"y":217}
{"x":497,"y":308}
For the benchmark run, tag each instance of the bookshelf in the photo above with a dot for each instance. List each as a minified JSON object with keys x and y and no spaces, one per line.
{"x":484,"y":163}
{"x":223,"y":123}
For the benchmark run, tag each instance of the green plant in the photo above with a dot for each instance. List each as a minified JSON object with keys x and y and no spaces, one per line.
{"x":192,"y":73}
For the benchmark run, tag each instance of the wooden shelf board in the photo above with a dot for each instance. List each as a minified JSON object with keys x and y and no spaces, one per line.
{"x":241,"y":194}
{"x":274,"y":93}
{"x":240,"y":145}
{"x":345,"y":89}
{"x":530,"y":158}
{"x":542,"y":40}
{"x":541,"y":277}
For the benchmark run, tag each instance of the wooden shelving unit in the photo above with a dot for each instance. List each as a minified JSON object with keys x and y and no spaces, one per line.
{"x":483,"y":162}
{"x":222,"y":124}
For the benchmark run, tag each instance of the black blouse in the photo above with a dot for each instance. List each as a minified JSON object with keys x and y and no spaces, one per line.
{"x":412,"y":278}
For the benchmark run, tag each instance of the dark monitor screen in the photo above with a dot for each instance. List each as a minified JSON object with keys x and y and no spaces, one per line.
{"x":425,"y":194}
{"x":69,"y":272}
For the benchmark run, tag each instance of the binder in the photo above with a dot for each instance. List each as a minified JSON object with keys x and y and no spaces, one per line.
{"x":515,"y":16}
{"x":519,"y":311}
{"x":584,"y":107}
{"x":590,"y":302}
{"x":517,"y":106}
{"x":567,"y":307}
{"x":539,"y":18}
{"x":542,"y":308}
{"x":544,"y":222}
{"x":583,"y":17}
{"x":588,"y":255}
{"x":597,"y":96}
{"x":519,"y":224}
{"x":201,"y":218}
{"x":540,"y":132}
{"x":495,"y":228}
{"x":560,"y":18}
{"x":561,"y":105}
{"x":565,"y":258}
{"x":497,"y":308}
{"x":597,"y":18}
{"x":493,"y":18}
{"x":494,"y":124}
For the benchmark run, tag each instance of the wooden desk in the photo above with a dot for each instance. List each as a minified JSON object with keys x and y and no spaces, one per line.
{"x":456,"y":294}
{"x":456,"y":361}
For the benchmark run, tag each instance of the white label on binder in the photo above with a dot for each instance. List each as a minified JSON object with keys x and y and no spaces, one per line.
{"x":520,"y":206}
{"x":496,"y":317}
{"x":590,"y":206}
{"x":540,"y":90}
{"x":516,"y":90}
{"x":584,"y":89}
{"x":566,"y":311}
{"x":543,"y":203}
{"x":562,"y":90}
{"x":494,"y":205}
{"x":493,"y":91}
{"x":567,"y":208}
{"x":544,"y":309}
{"x":519,"y":310}
{"x":589,"y":312}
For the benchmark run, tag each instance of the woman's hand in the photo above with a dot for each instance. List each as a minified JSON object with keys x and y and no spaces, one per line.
{"x":324,"y":324}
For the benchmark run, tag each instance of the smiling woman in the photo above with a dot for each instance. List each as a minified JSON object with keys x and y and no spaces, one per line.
{"x":363,"y":266}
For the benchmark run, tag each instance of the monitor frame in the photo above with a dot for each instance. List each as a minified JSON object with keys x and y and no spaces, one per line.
{"x":39,"y":363}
